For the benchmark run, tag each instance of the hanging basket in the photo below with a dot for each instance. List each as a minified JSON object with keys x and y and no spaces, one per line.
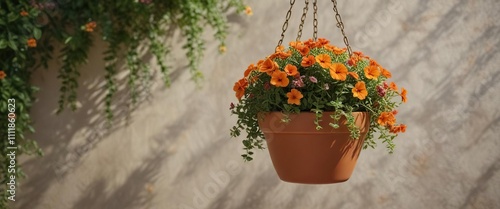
{"x":302,"y":154}
{"x":316,"y":105}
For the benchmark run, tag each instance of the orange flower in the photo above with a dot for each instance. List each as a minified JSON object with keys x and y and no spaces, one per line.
{"x":359,"y":91}
{"x":402,"y":128}
{"x":268,"y":66}
{"x":386,"y":119}
{"x":31,"y":42}
{"x":90,"y":26}
{"x":308,"y":61}
{"x":310,"y":43}
{"x":397,"y":129}
{"x":322,"y":42}
{"x":280,"y":48}
{"x":303,"y":49}
{"x":294,"y":97}
{"x":281,"y":54}
{"x":353,"y":60}
{"x":335,"y":49}
{"x":294,"y":44}
{"x":338,"y":71}
{"x":24,"y":13}
{"x":239,"y":87}
{"x":291,"y":70}
{"x":403,"y":94}
{"x":354,"y":75}
{"x":280,"y":79}
{"x":393,"y":86}
{"x":249,"y":69}
{"x":2,"y":74}
{"x":248,"y":11}
{"x":385,"y":73}
{"x":360,"y":54}
{"x":324,"y":60}
{"x":222,"y":48}
{"x":372,"y":72}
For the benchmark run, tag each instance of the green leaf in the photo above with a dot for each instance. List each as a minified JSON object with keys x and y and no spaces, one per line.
{"x":12,"y":17}
{"x":37,"y":33}
{"x":3,"y":43}
{"x":68,"y":39}
{"x":12,"y":45}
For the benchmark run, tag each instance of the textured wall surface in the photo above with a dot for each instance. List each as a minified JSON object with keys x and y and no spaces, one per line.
{"x":174,"y":150}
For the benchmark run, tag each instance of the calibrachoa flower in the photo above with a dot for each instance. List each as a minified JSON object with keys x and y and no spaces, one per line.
{"x":90,"y":26}
{"x":393,"y":86}
{"x":268,"y":66}
{"x":280,"y":79}
{"x":303,"y":49}
{"x":386,"y":119}
{"x":2,"y":74}
{"x":354,"y":75}
{"x":248,"y":11}
{"x":313,"y":79}
{"x":239,"y":87}
{"x":23,"y":13}
{"x":324,"y":60}
{"x":403,"y":95}
{"x":396,"y":129}
{"x":294,"y":97}
{"x":372,"y":72}
{"x":298,"y":82}
{"x":308,"y":61}
{"x":385,"y":73}
{"x":381,"y":91}
{"x":250,"y":68}
{"x":31,"y":42}
{"x":359,"y":90}
{"x":291,"y":70}
{"x":338,"y":71}
{"x":222,"y":49}
{"x":290,"y":81}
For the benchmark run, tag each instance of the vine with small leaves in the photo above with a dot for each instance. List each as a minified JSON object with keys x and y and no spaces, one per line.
{"x":31,"y":29}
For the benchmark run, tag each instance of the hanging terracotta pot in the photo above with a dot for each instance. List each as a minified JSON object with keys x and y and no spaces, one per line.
{"x":302,"y":154}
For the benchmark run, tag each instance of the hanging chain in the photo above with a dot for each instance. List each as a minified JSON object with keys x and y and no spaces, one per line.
{"x":285,"y":25}
{"x":340,"y":25}
{"x":302,"y":20}
{"x":315,"y":21}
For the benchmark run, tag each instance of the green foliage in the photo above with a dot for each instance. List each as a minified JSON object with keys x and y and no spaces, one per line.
{"x":30,"y":29}
{"x":326,"y":87}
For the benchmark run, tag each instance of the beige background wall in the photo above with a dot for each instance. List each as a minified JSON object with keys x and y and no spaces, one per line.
{"x":174,"y":150}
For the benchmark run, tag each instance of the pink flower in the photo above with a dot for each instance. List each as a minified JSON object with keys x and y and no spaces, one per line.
{"x":313,"y":79}
{"x":298,"y":82}
{"x":267,"y":86}
{"x":381,"y":91}
{"x":386,"y":86}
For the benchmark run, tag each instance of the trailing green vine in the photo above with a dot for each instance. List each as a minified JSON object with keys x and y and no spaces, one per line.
{"x":31,"y":29}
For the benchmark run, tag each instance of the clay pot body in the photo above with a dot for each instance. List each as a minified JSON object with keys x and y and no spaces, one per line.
{"x":302,"y":154}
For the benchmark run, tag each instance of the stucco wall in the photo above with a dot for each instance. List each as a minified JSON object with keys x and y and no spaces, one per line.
{"x":174,"y":150}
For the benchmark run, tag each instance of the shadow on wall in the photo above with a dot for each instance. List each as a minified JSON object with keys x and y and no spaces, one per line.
{"x":63,"y":153}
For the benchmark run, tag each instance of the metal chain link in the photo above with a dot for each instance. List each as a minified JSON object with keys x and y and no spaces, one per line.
{"x":285,"y":25}
{"x":340,"y":25}
{"x":315,"y":21}
{"x":302,"y":20}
